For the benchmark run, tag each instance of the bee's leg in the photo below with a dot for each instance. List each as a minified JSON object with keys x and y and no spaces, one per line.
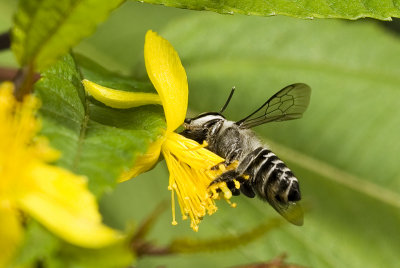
{"x":245,"y":167}
{"x":233,"y":187}
{"x":232,"y":156}
{"x":225,"y":183}
{"x":235,"y":183}
{"x":225,"y":177}
{"x":245,"y":186}
{"x":247,"y":190}
{"x":218,"y":166}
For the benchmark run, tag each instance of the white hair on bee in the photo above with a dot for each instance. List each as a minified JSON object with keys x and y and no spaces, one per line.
{"x":199,"y":121}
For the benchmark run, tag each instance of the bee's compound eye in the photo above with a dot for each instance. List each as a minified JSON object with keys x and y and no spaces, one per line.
{"x":187,"y":120}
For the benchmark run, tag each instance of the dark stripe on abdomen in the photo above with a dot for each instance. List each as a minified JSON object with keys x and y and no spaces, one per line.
{"x":252,"y":163}
{"x":268,"y":173}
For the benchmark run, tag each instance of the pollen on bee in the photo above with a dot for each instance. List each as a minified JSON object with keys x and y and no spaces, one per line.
{"x":237,"y":184}
{"x":246,"y":177}
{"x":222,"y":167}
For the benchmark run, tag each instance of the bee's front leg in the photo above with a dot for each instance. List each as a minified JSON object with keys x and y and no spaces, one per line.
{"x":232,"y":156}
{"x":230,"y":175}
{"x":226,"y":181}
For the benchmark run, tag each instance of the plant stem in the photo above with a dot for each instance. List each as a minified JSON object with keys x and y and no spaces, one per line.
{"x":24,"y":81}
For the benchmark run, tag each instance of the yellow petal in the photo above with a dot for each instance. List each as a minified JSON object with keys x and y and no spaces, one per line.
{"x":168,"y":76}
{"x":60,"y":201}
{"x":7,"y":86}
{"x":118,"y":98}
{"x":193,"y":153}
{"x":43,"y":151}
{"x":145,"y":161}
{"x":10,"y":232}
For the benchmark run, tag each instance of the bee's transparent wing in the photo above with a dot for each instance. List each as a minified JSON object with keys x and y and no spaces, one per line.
{"x":287,"y":104}
{"x":291,"y":211}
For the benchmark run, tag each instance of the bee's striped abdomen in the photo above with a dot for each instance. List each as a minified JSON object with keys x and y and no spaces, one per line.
{"x":271,"y":178}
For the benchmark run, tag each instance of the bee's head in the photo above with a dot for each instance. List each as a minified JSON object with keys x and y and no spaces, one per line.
{"x":196,"y":128}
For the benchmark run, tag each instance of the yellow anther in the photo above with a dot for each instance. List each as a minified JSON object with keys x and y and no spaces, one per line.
{"x":222,"y":167}
{"x":232,"y":205}
{"x":224,"y":188}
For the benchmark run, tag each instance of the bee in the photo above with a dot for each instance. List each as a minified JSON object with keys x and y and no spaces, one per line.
{"x":259,"y":171}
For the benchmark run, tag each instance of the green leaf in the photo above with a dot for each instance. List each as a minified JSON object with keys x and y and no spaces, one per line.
{"x":343,"y":9}
{"x":46,"y":29}
{"x":95,"y":140}
{"x":30,"y":254}
{"x":344,"y":150}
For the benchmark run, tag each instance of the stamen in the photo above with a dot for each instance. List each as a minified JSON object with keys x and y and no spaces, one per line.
{"x":232,"y":205}
{"x":224,"y":188}
{"x":191,"y":173}
{"x":174,"y":222}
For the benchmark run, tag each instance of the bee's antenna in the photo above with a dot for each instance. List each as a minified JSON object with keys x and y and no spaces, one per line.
{"x":228,"y":100}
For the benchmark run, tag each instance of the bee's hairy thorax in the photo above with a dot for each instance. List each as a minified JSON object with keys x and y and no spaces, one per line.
{"x":227,"y":140}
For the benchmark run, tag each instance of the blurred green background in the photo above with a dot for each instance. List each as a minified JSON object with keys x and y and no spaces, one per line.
{"x":345,"y":151}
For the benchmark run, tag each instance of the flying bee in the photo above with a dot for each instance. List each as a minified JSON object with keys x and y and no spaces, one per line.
{"x":260,"y":172}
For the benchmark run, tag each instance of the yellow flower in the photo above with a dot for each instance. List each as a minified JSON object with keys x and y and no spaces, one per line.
{"x":55,"y":197}
{"x":189,"y":163}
